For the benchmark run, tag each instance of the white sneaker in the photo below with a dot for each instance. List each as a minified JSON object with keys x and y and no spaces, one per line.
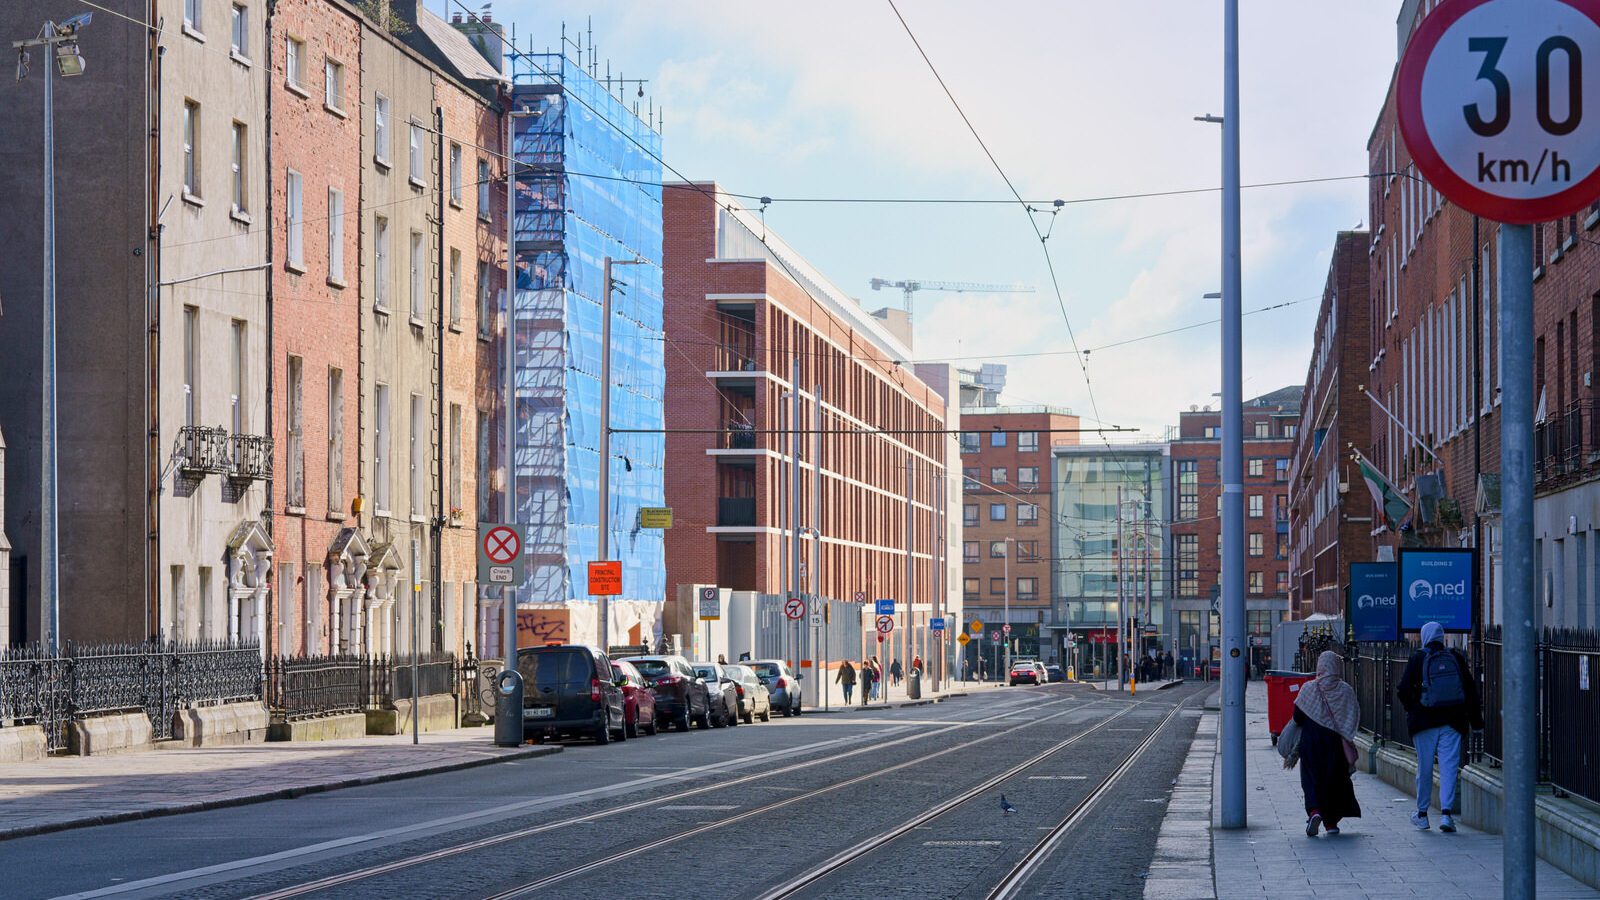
{"x":1420,"y":820}
{"x":1447,"y":824}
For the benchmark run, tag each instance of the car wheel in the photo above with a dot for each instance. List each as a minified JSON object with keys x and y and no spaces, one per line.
{"x":733,"y":717}
{"x":602,"y":735}
{"x":655,"y":726}
{"x":720,"y":720}
{"x":798,"y":708}
{"x":767,"y":716}
{"x":750,"y":717}
{"x":631,"y":729}
{"x":788,"y":711}
{"x":683,"y":720}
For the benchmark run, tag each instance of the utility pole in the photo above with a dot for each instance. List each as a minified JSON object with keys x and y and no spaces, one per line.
{"x":1121,"y":609}
{"x":1231,"y":736}
{"x":905,"y":637}
{"x":794,"y":500}
{"x":507,"y":509}
{"x":818,"y":602}
{"x":1520,"y":672}
{"x":603,"y":544}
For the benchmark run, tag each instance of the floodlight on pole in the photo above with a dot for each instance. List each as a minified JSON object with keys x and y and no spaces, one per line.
{"x":60,"y":41}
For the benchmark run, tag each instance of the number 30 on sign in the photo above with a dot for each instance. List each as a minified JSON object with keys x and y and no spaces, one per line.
{"x":1499,"y":103}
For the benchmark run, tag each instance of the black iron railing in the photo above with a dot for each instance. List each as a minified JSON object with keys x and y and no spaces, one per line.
{"x":304,"y":687}
{"x":157,"y":679}
{"x":252,"y":457}
{"x":204,"y":449}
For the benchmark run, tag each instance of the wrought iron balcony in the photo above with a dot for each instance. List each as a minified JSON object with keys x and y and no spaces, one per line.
{"x":252,"y":457}
{"x":204,"y":449}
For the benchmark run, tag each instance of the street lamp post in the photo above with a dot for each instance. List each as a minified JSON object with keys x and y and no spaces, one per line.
{"x":603,"y":547}
{"x":61,"y":45}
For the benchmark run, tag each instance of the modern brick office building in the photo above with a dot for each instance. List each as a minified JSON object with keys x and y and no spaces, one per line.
{"x":739,"y":314}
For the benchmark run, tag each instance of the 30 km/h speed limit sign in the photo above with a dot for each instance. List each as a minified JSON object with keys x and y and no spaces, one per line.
{"x":1491,"y":101}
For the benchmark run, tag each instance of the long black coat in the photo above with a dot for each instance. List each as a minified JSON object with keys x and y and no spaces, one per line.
{"x":1325,"y":773}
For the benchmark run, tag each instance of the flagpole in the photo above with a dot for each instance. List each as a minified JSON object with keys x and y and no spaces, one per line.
{"x":1418,"y":441}
{"x":1361,"y":460}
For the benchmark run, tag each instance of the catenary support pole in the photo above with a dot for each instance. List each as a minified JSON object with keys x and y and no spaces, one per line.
{"x":818,"y":601}
{"x":508,"y":360}
{"x":905,"y":602}
{"x":603,"y":536}
{"x":1231,"y":735}
{"x":1519,"y":670}
{"x":794,"y":505}
{"x":1122,"y":572}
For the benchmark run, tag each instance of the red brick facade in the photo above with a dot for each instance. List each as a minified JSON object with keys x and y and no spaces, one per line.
{"x":1330,"y":514}
{"x":733,"y":325}
{"x":315,"y":314}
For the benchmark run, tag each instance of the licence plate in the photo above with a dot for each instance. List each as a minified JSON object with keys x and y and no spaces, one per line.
{"x":543,"y":712}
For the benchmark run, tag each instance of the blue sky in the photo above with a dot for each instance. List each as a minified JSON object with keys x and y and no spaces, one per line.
{"x":1075,"y":99}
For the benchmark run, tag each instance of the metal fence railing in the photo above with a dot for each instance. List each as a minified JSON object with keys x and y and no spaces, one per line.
{"x":51,"y":690}
{"x":302,"y":687}
{"x":1568,"y":711}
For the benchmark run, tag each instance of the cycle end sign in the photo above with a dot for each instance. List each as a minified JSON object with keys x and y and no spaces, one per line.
{"x":1491,"y":99}
{"x":499,"y":554}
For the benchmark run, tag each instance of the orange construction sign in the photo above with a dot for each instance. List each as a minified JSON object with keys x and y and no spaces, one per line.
{"x":605,"y":578}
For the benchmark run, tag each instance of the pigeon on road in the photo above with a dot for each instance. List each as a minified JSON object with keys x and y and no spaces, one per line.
{"x":1005,"y":806}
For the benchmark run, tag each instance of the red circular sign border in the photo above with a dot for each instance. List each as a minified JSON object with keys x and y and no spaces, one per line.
{"x":798,"y":604}
{"x":882,"y":621}
{"x":1408,"y":112}
{"x":491,"y":533}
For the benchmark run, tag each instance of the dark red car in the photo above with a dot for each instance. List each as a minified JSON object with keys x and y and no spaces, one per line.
{"x":638,"y":704}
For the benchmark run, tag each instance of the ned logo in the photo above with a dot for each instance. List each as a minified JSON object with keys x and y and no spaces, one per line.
{"x":1367,"y":601}
{"x":1423,"y":589}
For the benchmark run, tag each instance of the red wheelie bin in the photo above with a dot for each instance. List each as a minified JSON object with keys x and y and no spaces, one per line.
{"x":1282,"y":689}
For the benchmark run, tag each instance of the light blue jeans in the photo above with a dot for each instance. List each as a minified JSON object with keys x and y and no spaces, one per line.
{"x":1446,"y":742}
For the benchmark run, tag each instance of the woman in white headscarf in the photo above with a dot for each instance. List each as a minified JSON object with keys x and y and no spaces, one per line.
{"x":1327,"y":713}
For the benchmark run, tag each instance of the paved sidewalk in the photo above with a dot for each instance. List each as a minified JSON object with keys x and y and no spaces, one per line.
{"x":897,"y":697}
{"x":1377,"y":855}
{"x":75,"y":791}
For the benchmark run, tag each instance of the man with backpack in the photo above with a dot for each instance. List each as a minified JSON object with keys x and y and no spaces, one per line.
{"x":1440,"y":697}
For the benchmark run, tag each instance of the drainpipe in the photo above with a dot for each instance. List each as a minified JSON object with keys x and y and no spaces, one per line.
{"x":442,"y":510}
{"x":152,"y":397}
{"x":274,"y":591}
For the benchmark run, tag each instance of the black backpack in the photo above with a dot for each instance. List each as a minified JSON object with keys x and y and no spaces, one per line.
{"x":1442,"y":681}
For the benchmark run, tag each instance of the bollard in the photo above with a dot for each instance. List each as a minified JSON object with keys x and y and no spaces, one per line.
{"x":914,"y":685}
{"x":508,"y":708}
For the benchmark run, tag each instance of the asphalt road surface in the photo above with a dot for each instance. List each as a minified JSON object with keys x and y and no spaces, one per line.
{"x":886,"y":803}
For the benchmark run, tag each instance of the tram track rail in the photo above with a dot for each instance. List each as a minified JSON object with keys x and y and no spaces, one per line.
{"x":1021,"y":874}
{"x":454,"y":850}
{"x":533,"y":886}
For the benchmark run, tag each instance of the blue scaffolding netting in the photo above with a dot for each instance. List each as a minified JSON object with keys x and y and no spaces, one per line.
{"x":567,"y":222}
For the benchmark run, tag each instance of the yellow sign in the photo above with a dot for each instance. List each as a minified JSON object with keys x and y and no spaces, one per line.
{"x":655,"y":517}
{"x":976,"y":625}
{"x":962,"y":637}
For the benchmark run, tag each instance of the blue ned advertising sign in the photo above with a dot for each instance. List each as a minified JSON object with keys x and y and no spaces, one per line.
{"x":1373,"y":604}
{"x":1436,"y":585}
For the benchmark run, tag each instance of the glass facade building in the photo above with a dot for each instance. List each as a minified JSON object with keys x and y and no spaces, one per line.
{"x":588,"y":177}
{"x":1090,"y":562}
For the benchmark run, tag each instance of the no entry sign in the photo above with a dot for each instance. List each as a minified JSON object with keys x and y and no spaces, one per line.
{"x":885,"y":624}
{"x":1499,"y":103}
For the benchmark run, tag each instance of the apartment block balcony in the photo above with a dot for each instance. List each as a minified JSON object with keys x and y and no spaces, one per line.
{"x":1566,"y":443}
{"x":204,"y":450}
{"x":736,"y":512}
{"x":252,"y":457}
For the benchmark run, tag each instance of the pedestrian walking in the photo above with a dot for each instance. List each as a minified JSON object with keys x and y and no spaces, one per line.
{"x":847,"y":680}
{"x":966,"y":669}
{"x":1440,"y":697}
{"x":877,"y":677}
{"x":916,"y":664}
{"x":895,"y":672}
{"x":1326,"y":714}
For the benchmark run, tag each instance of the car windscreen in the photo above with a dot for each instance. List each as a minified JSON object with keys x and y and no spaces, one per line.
{"x":706,"y":672}
{"x":552,"y":667}
{"x":651,"y":668}
{"x":766,"y":670}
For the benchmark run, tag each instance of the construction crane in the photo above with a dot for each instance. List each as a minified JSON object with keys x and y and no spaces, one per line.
{"x":911,"y":286}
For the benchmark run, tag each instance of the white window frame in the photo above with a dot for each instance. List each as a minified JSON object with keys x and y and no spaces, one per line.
{"x":414,"y":155}
{"x":294,"y":67}
{"x":417,"y":301}
{"x":484,"y":188}
{"x":191,"y":365}
{"x":381,"y":110}
{"x":335,"y":235}
{"x":416,"y":468}
{"x":381,"y":439}
{"x":241,"y":169}
{"x":455,"y":286}
{"x":485,"y":318}
{"x":239,"y":33}
{"x":294,"y":203}
{"x":191,"y":148}
{"x":194,"y":16}
{"x":380,"y":263}
{"x":333,"y":85}
{"x":455,"y":174}
{"x":335,"y":460}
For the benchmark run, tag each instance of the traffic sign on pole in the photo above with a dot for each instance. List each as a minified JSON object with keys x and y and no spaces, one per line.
{"x":816,"y":620}
{"x":499,"y":553}
{"x":976,"y":625}
{"x":962,"y":638}
{"x":994,"y":636}
{"x":936,"y":623}
{"x":885,"y":624}
{"x":883,"y":607}
{"x":710,"y":603}
{"x":1006,"y":628}
{"x":1490,"y":100}
{"x":794,"y":608}
{"x":861,"y":596}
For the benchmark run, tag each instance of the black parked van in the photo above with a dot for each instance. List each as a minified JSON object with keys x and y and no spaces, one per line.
{"x":568,"y":689}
